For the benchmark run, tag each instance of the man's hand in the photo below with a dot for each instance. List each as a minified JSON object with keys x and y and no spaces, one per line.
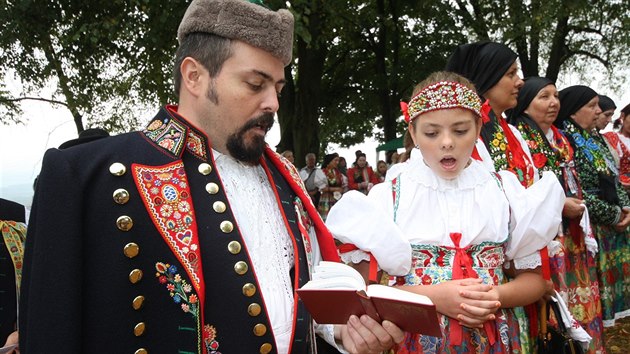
{"x":365,"y":335}
{"x":12,"y":340}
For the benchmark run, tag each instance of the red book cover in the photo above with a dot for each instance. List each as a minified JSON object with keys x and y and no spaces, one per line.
{"x":335,"y":294}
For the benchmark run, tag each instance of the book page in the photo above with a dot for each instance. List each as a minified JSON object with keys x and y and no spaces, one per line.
{"x":325,"y":270}
{"x":387,"y":292}
{"x":338,"y":282}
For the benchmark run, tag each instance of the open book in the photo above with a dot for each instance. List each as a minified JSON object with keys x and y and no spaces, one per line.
{"x":338,"y":291}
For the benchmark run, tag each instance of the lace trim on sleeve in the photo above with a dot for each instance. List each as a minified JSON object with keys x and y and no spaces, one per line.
{"x":356,"y":256}
{"x":531,"y":261}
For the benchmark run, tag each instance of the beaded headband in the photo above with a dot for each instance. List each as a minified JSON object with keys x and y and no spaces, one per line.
{"x":441,"y":95}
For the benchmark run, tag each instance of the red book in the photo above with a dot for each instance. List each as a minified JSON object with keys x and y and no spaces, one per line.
{"x":338,"y":291}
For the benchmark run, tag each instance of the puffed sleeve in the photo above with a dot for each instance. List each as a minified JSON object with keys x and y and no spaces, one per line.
{"x":535,"y":215}
{"x":364,"y":221}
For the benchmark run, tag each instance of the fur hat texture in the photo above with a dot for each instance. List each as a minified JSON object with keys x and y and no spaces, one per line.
{"x":241,"y":20}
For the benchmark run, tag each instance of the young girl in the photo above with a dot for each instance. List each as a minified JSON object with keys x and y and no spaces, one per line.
{"x":447,"y":227}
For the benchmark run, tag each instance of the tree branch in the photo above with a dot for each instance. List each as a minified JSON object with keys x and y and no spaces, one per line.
{"x":586,"y":30}
{"x":604,"y":62}
{"x":33,"y":99}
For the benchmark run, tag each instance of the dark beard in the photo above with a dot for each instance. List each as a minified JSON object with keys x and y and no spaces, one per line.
{"x":236,"y":141}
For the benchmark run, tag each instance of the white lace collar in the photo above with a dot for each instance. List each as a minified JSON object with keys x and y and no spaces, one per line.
{"x":473,"y":175}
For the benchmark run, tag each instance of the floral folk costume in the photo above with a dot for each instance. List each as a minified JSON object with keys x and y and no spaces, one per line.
{"x":573,"y":264}
{"x":485,"y":63}
{"x":438,"y":230}
{"x":604,"y":198}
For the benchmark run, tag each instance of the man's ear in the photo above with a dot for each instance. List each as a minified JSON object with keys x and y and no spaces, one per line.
{"x":194,"y":76}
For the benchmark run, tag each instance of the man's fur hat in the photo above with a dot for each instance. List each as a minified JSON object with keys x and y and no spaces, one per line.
{"x":241,"y":20}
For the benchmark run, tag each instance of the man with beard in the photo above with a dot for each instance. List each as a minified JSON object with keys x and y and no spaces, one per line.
{"x":190,"y":236}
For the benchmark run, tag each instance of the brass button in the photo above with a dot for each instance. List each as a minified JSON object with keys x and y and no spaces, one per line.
{"x":260,"y":330}
{"x":117,"y":169}
{"x":219,"y":207}
{"x":265,"y":348}
{"x":135,"y":276}
{"x":253,"y":309}
{"x":138,"y":330}
{"x":240,"y":267}
{"x":124,"y":223}
{"x":141,"y":351}
{"x":249,"y":289}
{"x":121,"y":196}
{"x":205,"y":169}
{"x":234,"y":247}
{"x":138,"y":302}
{"x":226,"y":227}
{"x":212,"y":188}
{"x":131,"y":250}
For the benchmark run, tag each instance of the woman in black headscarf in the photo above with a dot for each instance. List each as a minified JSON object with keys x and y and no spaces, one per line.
{"x":608,"y":205}
{"x":573,"y":267}
{"x":492,"y":68}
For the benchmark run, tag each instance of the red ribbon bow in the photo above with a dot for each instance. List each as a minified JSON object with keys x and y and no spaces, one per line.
{"x":404,"y":107}
{"x":462,"y":268}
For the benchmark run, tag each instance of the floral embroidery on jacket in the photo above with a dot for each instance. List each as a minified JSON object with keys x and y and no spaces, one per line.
{"x":178,"y":288}
{"x":182,"y":294}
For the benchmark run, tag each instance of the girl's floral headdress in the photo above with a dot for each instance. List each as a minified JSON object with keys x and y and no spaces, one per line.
{"x":441,"y":95}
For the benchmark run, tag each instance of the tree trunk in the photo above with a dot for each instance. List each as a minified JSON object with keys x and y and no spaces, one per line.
{"x":299,"y":116}
{"x":64,"y":85}
{"x":558,"y":54}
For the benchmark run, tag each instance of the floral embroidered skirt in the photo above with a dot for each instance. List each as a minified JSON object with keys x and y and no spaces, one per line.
{"x":613,"y":269}
{"x":574,"y":274}
{"x":433,"y":265}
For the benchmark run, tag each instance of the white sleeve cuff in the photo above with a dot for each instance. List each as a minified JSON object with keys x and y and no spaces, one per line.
{"x":355,"y":257}
{"x":327,"y":332}
{"x":531,"y":261}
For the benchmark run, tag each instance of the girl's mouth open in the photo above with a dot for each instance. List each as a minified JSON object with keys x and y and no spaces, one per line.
{"x":448,"y":163}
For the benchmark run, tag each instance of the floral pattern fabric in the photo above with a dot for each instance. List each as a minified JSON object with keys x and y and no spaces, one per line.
{"x":621,"y":144}
{"x":573,"y":269}
{"x":433,"y":265}
{"x":328,"y":199}
{"x":505,"y":149}
{"x":613,"y":259}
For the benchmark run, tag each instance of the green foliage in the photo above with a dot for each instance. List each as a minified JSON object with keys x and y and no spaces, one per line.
{"x":111,"y":61}
{"x":9,"y":110}
{"x":377,"y":59}
{"x":97,"y":52}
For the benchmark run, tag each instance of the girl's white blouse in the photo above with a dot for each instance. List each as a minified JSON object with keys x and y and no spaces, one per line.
{"x":481,"y":205}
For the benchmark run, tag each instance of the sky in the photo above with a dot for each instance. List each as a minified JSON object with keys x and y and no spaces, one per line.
{"x":22,"y":146}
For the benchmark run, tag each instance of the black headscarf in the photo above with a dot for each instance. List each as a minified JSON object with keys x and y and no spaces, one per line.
{"x":572,"y":99}
{"x":483,"y":63}
{"x":606,"y":103}
{"x":328,"y":158}
{"x":526,"y":95}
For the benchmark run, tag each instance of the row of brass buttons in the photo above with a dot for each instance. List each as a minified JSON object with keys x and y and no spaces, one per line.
{"x":240,"y":267}
{"x":125,"y":223}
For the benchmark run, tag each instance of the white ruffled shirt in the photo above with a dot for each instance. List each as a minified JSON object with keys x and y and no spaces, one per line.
{"x":259,"y":220}
{"x":430,"y":208}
